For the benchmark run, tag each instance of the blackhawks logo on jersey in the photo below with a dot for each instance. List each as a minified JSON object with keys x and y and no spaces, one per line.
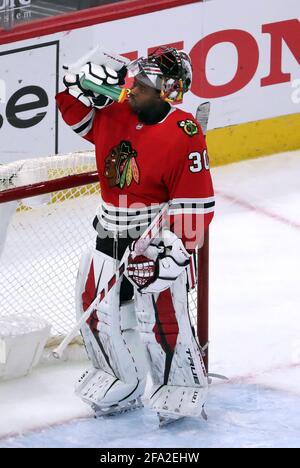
{"x":120,"y":165}
{"x":189,"y":127}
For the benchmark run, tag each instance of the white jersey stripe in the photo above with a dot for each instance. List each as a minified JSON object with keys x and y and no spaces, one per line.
{"x":192,"y":200}
{"x":89,"y":116}
{"x":119,"y":219}
{"x":184,"y":211}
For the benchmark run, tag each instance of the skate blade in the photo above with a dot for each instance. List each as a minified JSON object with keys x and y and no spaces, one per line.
{"x":165,"y":419}
{"x":204,"y":415}
{"x":117,"y":409}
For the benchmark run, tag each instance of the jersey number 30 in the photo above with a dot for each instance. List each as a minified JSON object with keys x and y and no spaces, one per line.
{"x":199,"y":161}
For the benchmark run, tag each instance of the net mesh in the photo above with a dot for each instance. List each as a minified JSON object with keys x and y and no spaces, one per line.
{"x":42,"y":240}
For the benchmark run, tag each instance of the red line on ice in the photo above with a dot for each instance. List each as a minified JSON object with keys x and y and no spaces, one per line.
{"x":258,"y":209}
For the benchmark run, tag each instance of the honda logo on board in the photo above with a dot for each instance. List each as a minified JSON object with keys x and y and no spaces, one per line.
{"x":280,"y":33}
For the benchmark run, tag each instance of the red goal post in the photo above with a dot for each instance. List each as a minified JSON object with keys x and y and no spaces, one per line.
{"x":47,"y":206}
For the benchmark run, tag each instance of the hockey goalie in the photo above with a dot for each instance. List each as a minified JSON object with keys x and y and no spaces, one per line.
{"x":139,"y":339}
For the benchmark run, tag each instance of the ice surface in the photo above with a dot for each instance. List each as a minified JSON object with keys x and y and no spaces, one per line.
{"x":240,"y":415}
{"x":254,"y":336}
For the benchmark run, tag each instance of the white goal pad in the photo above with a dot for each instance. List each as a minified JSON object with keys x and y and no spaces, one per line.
{"x":22,"y":340}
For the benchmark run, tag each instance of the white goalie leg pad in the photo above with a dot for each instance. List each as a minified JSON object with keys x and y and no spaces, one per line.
{"x":178,"y":373}
{"x":112,"y":344}
{"x":178,"y":401}
{"x":101,"y":390}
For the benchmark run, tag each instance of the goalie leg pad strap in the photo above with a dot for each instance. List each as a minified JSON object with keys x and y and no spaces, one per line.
{"x":112,"y":344}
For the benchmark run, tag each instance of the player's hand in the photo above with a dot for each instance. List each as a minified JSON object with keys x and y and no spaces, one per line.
{"x":160,"y":264}
{"x":143,"y":268}
{"x":88,"y":98}
{"x":72,"y":83}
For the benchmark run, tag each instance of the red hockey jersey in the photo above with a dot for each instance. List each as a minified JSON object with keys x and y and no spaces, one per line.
{"x":141,"y":166}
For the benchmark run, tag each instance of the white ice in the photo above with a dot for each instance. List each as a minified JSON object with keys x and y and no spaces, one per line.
{"x":254,"y":336}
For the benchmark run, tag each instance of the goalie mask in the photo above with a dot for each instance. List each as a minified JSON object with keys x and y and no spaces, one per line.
{"x":167,"y":70}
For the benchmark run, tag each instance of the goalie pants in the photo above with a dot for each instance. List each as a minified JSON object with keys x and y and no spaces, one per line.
{"x":116,"y":248}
